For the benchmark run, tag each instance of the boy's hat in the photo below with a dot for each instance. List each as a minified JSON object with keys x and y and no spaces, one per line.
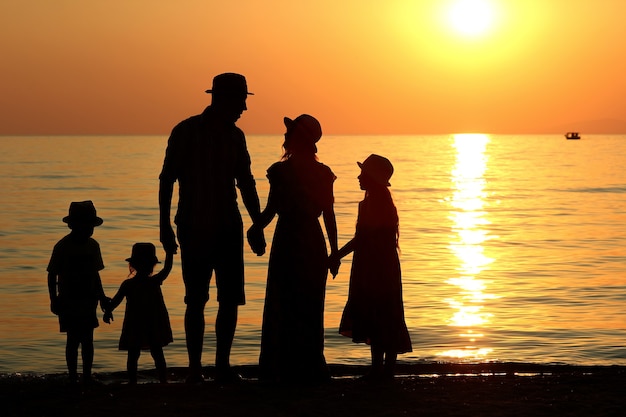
{"x":143,"y":253}
{"x":230,"y":83}
{"x":378,"y":168}
{"x":82,"y":212}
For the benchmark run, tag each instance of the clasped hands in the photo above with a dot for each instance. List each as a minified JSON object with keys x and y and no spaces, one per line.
{"x":256,"y":239}
{"x":334,"y":261}
{"x":105,"y":305}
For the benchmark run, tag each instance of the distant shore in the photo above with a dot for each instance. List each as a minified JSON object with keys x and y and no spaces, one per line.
{"x":486,"y":389}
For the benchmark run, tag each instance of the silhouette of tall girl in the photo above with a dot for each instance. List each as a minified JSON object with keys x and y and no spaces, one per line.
{"x":374,"y":313}
{"x":301,"y":189}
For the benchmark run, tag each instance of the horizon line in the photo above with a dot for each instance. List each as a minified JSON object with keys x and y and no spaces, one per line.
{"x":551,"y":132}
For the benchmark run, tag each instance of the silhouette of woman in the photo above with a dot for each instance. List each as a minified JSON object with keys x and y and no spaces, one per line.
{"x":301,"y":189}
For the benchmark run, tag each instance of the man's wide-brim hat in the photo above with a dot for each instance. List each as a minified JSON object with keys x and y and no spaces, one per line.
{"x":305,"y":126}
{"x":143,"y":254}
{"x":377,"y":168}
{"x":231,"y":84}
{"x":83,"y":213}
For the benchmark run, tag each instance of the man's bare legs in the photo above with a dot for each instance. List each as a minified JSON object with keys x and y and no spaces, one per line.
{"x":225,"y":325}
{"x":194,"y":333}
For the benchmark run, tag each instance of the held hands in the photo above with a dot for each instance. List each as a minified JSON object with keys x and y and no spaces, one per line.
{"x":108,"y":317}
{"x":168,"y":239}
{"x":333,"y":264}
{"x":105,"y":304}
{"x":256,"y":239}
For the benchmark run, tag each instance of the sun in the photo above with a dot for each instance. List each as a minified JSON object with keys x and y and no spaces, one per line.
{"x":471,"y":18}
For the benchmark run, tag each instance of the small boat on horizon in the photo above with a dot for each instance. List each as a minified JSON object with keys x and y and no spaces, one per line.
{"x":572,"y":135}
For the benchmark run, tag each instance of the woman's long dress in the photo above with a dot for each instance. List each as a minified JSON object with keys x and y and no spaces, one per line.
{"x":292,"y":341}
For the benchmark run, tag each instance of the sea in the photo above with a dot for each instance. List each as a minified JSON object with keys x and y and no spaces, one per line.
{"x":513,"y":247}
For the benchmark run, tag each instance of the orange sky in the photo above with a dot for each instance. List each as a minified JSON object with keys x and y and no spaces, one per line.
{"x":360,"y":66}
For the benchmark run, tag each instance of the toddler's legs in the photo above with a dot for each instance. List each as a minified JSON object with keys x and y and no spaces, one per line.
{"x":131,"y":364}
{"x":159,"y":363}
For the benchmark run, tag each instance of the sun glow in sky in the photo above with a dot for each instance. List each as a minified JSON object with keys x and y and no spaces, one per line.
{"x":471,"y":17}
{"x":360,"y":66}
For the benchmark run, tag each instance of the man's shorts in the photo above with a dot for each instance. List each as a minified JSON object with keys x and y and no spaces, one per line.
{"x":203,"y":253}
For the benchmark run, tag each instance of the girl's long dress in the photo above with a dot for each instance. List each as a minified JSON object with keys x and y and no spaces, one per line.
{"x":146,"y":320}
{"x":374,"y":312}
{"x":292,"y":341}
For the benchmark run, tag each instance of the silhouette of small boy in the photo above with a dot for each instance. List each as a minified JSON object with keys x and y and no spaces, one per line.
{"x":146,"y":320}
{"x":75,"y":287}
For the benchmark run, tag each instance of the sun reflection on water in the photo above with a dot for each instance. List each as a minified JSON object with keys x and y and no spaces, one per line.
{"x":468,"y":221}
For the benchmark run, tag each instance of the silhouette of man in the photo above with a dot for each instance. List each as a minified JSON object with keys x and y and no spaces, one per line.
{"x":207,"y":155}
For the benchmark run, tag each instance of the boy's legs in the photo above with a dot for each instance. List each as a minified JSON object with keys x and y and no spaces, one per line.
{"x":87,"y":349}
{"x":71,"y":355}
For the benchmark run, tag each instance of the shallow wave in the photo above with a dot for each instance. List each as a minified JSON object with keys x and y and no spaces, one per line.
{"x":616,"y":189}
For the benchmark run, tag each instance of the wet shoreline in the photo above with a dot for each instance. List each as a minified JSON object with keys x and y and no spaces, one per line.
{"x":434,"y":389}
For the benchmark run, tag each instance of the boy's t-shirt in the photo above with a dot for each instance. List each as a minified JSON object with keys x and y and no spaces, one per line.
{"x":76,"y":264}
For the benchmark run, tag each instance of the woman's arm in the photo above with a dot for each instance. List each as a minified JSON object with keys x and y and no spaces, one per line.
{"x":267,"y":215}
{"x":346,"y":249}
{"x":330,"y":222}
{"x":256,"y":238}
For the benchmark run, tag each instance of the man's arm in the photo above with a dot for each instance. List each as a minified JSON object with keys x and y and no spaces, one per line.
{"x":168,"y":237}
{"x":250,"y":198}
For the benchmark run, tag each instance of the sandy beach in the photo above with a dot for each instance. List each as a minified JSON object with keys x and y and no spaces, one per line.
{"x":493,"y":389}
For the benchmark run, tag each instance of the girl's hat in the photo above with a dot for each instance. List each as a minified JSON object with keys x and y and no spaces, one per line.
{"x":377,"y":168}
{"x":306,"y":127}
{"x":82,"y":212}
{"x":144,"y":254}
